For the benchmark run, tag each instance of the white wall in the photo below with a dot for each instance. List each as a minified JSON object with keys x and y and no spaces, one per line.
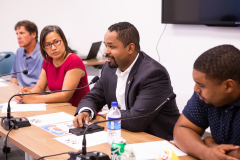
{"x":182,"y":44}
{"x":41,"y":12}
{"x":85,"y":22}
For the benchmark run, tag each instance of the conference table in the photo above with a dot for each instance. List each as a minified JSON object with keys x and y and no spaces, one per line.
{"x":37,"y":142}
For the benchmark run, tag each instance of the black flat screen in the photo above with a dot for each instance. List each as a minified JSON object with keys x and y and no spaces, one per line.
{"x":209,"y":12}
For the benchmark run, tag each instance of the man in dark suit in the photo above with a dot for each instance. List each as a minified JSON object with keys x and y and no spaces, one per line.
{"x":139,"y":84}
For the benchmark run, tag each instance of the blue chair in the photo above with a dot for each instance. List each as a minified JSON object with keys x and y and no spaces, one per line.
{"x":6,"y":64}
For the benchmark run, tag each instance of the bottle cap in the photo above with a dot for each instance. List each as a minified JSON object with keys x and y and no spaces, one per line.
{"x":114,"y":104}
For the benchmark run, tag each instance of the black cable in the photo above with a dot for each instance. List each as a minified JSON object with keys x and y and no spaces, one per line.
{"x":7,"y":137}
{"x":52,"y":155}
{"x":159,"y":41}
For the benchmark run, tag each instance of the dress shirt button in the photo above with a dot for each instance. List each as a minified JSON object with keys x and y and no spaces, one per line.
{"x":226,"y":111}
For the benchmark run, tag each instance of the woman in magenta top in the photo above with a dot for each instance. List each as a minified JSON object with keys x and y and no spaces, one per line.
{"x":62,"y":70}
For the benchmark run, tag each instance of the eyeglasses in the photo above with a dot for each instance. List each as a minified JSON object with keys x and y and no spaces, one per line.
{"x":55,"y":43}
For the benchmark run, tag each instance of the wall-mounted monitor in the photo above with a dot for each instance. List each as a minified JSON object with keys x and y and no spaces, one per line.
{"x":208,"y":12}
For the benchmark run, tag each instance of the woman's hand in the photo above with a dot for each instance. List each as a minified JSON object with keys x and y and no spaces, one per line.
{"x":20,"y":99}
{"x":28,"y":99}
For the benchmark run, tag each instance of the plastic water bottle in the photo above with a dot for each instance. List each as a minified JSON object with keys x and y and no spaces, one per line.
{"x":128,"y":153}
{"x":113,"y":127}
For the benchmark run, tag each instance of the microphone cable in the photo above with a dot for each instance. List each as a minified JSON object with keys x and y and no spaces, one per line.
{"x":5,"y":147}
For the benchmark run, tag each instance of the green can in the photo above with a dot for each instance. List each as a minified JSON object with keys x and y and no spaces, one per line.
{"x":117,"y":148}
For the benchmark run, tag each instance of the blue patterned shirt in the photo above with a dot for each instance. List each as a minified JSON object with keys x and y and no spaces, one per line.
{"x":32,"y":63}
{"x":224,"y":121}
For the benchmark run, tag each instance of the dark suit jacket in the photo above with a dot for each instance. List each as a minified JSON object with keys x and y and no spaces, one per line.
{"x":148,"y":85}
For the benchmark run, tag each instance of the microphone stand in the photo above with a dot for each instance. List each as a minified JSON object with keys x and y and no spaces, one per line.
{"x":6,"y":56}
{"x":23,"y":122}
{"x":24,"y":72}
{"x":83,"y":155}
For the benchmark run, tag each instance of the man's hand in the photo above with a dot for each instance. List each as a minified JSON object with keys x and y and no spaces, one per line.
{"x":210,"y":142}
{"x":235,"y":153}
{"x":80,"y":119}
{"x":219,"y":152}
{"x":187,"y":137}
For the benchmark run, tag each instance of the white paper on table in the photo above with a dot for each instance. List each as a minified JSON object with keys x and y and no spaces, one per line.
{"x":151,"y":150}
{"x":23,"y":107}
{"x":1,"y":80}
{"x":91,"y":139}
{"x":103,"y":111}
{"x":50,"y":118}
{"x":3,"y":84}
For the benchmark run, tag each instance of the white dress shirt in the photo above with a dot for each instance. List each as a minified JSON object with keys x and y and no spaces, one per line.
{"x":121,"y":85}
{"x":120,"y":90}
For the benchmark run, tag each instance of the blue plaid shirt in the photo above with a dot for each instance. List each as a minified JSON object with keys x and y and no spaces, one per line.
{"x":224,"y":121}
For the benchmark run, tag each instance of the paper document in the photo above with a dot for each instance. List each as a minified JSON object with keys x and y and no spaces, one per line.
{"x":3,"y":84}
{"x":103,"y":111}
{"x":91,"y":139}
{"x":52,"y":118}
{"x":23,"y":107}
{"x":59,"y":129}
{"x":151,"y":150}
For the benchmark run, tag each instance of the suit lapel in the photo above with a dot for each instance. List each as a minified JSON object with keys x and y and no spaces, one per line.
{"x":131,"y":77}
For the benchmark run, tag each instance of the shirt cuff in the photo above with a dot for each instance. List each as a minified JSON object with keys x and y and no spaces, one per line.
{"x":92,"y":113}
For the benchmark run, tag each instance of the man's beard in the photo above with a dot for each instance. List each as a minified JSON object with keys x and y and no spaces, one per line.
{"x":209,"y":105}
{"x":114,"y":65}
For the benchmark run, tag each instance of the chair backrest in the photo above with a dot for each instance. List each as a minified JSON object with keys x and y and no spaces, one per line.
{"x":6,"y":64}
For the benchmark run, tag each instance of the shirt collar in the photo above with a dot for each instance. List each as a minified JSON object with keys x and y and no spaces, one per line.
{"x":237,"y":103}
{"x":34,"y":54}
{"x":127,"y":71}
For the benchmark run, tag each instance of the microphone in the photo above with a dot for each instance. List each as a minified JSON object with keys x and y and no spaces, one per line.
{"x":6,"y":56}
{"x":24,"y":72}
{"x":23,"y":122}
{"x":83,"y":155}
{"x":94,"y":80}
